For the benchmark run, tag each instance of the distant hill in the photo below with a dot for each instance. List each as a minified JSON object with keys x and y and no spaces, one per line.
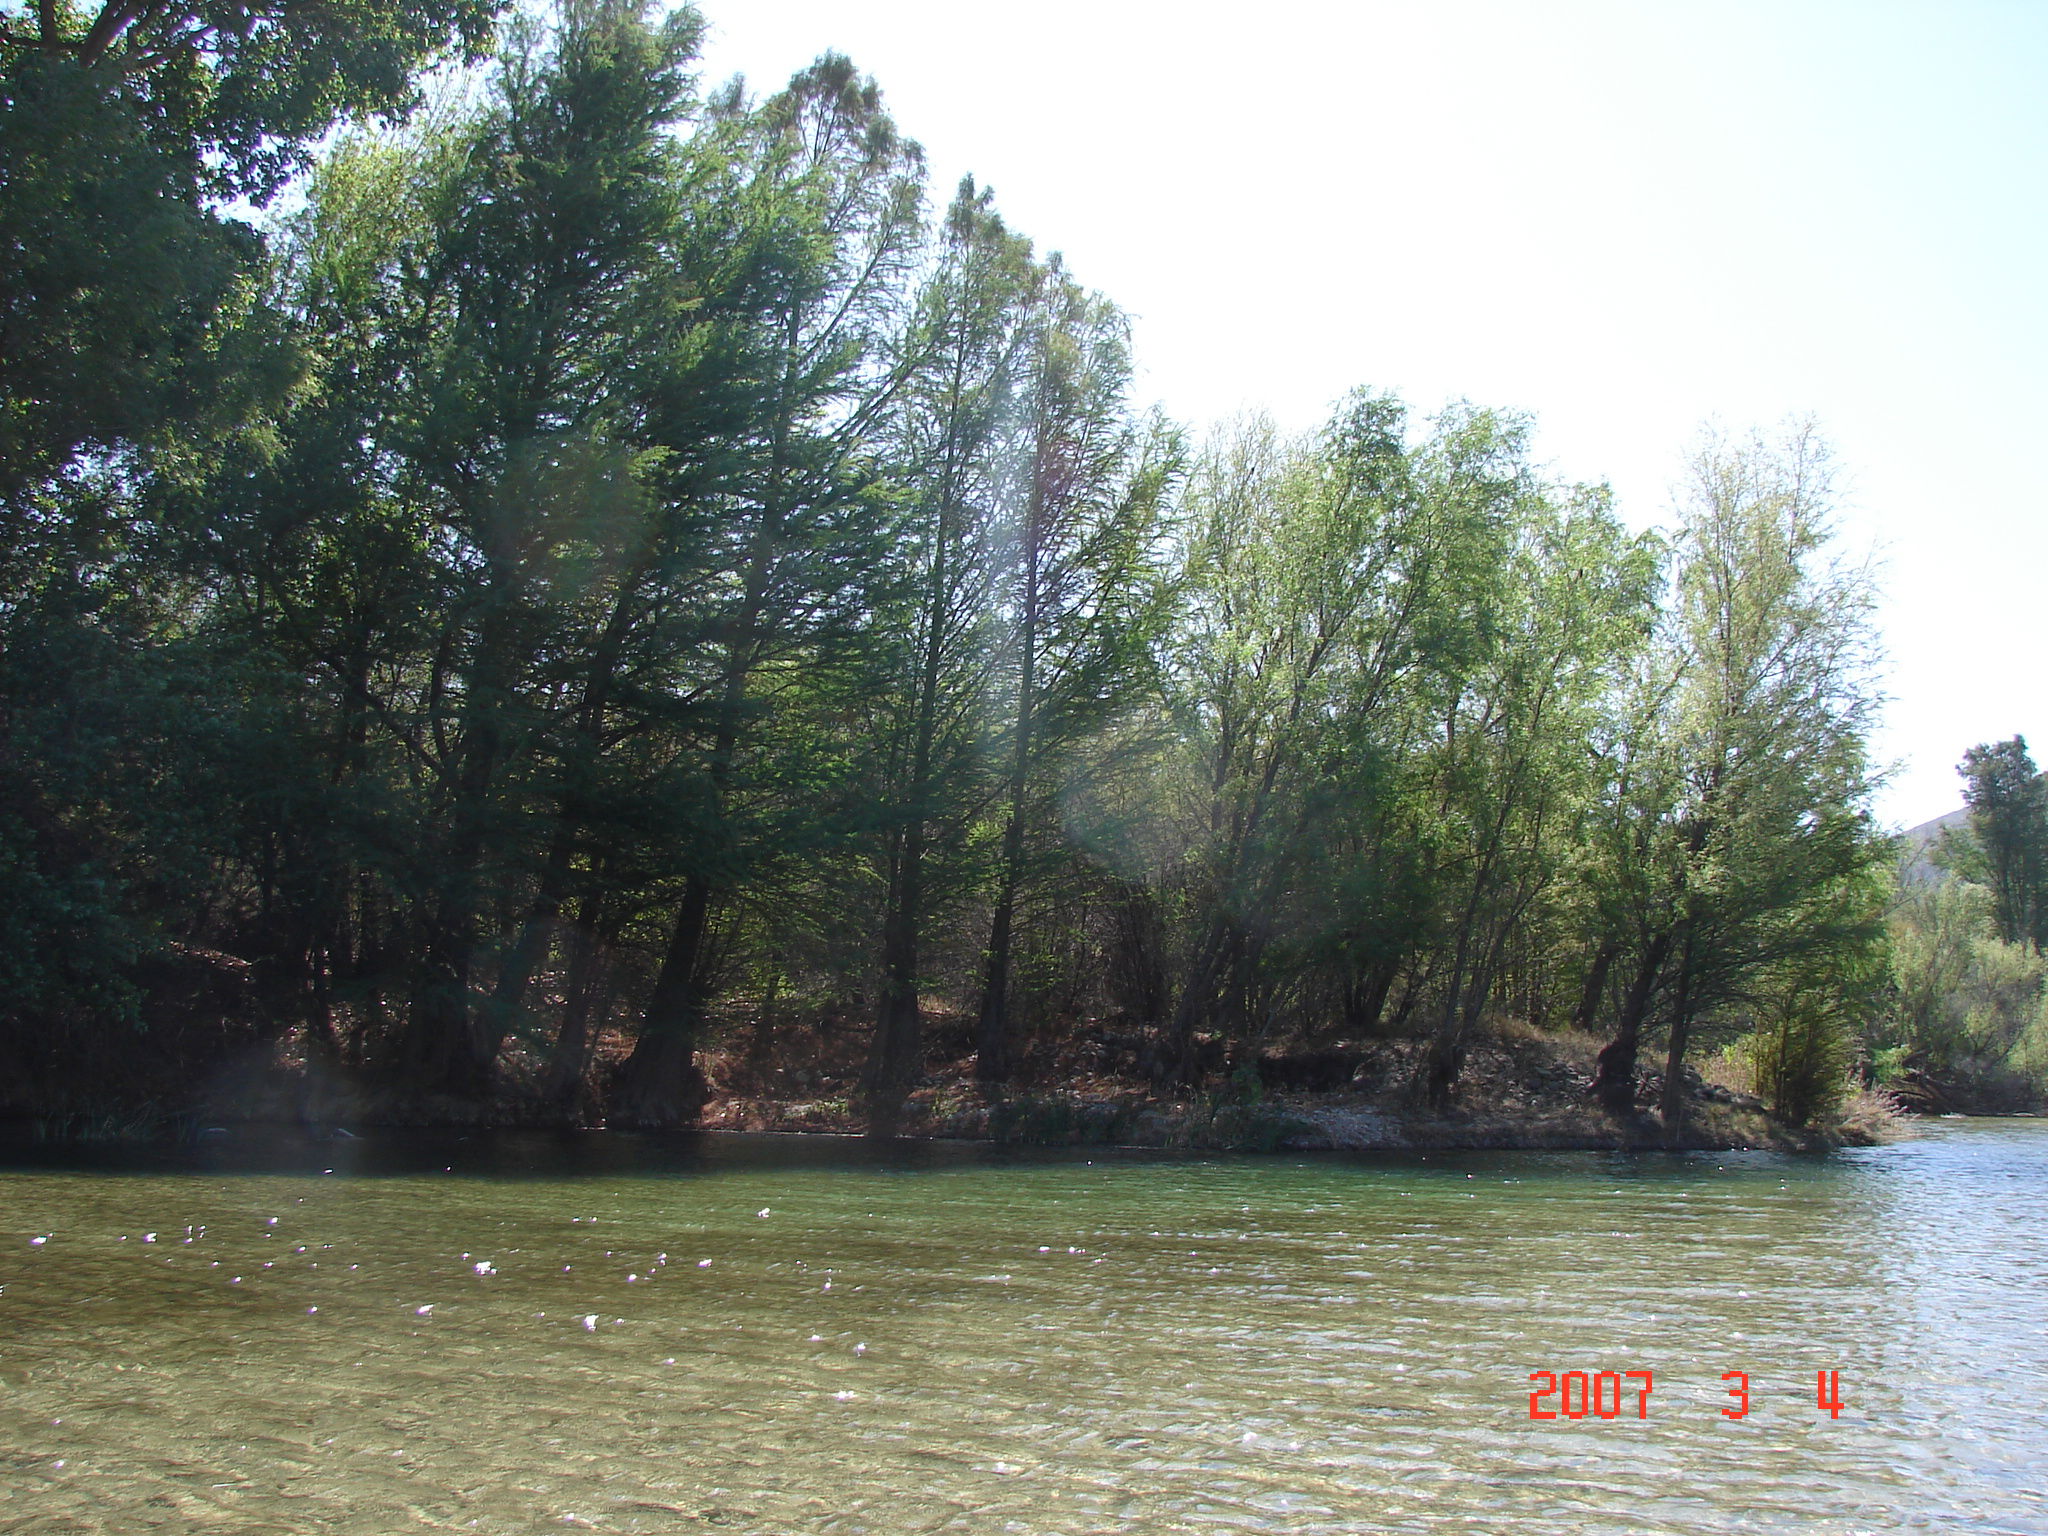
{"x":1915,"y":866}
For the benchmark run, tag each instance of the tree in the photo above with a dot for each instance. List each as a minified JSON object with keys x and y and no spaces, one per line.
{"x":123,"y":134}
{"x":970,"y":335}
{"x":1335,"y":590}
{"x":242,"y":90}
{"x":1076,"y":602}
{"x":1517,"y":783}
{"x":1966,"y":1026}
{"x":2008,"y":801}
{"x":1813,"y":1007}
{"x":514,"y":436}
{"x":136,"y":342}
{"x":429,"y":534}
{"x":1290,"y":552}
{"x":802,"y":526}
{"x":1743,"y":796}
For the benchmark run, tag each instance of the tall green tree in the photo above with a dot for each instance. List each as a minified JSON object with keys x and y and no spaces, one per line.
{"x":2008,"y":801}
{"x":1517,"y":782}
{"x":971,"y":334}
{"x":1748,"y":786}
{"x":1077,"y":597}
{"x":519,"y":439}
{"x":804,"y":525}
{"x":1332,"y":589}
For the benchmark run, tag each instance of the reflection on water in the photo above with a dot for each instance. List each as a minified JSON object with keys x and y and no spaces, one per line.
{"x":792,"y":1335}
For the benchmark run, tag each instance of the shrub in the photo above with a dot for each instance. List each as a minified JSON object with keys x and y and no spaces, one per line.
{"x":1801,"y":1061}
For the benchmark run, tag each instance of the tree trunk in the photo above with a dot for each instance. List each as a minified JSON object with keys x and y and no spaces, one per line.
{"x":1614,"y":1075}
{"x":992,"y":1058}
{"x":542,"y":917}
{"x":1464,"y":1004}
{"x":589,"y":986}
{"x":1137,"y":973}
{"x":536,"y":934}
{"x":1672,"y":1107}
{"x":1365,"y":998}
{"x":897,"y":1051}
{"x":448,"y":1050}
{"x":1179,"y":1062}
{"x":661,"y":1084}
{"x":1588,"y":1011}
{"x":992,"y":1055}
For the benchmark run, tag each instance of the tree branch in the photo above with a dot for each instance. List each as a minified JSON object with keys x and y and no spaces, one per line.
{"x":10,"y":39}
{"x":112,"y":22}
{"x":138,"y":63}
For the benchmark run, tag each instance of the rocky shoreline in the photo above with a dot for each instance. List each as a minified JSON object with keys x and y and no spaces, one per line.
{"x":1520,"y":1090}
{"x":1525,"y":1092}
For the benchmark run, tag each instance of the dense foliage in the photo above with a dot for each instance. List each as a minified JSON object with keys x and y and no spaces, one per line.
{"x":1967,"y":1021}
{"x":610,"y":569}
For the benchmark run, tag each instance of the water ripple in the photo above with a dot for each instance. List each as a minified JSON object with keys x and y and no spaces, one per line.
{"x":1052,"y":1345}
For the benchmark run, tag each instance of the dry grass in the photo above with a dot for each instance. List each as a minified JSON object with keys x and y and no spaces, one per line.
{"x":1732,"y":1072}
{"x":1870,"y":1117}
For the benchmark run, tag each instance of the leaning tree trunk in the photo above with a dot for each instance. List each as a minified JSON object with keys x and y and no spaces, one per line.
{"x":1614,"y":1074}
{"x":661,"y":1084}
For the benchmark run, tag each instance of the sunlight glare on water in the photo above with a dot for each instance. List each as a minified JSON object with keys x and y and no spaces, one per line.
{"x":739,"y":1334}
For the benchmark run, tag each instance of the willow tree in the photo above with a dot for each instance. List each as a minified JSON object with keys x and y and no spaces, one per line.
{"x":1331,"y":586}
{"x":1571,"y":605}
{"x":1747,"y":798}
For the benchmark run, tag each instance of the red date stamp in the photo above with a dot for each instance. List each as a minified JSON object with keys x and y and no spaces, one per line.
{"x":1593,"y":1394}
{"x":1601,"y":1394}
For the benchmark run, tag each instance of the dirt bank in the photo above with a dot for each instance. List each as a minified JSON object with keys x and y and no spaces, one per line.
{"x":1524,"y":1091}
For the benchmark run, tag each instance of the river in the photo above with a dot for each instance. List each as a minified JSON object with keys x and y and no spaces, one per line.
{"x":796,"y":1335}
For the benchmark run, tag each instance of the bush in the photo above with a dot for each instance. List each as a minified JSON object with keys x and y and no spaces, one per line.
{"x":1968,"y":1017}
{"x":1801,"y":1062}
{"x":1811,"y":1012}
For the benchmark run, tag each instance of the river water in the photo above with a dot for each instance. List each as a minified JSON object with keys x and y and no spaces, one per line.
{"x":785,"y":1335}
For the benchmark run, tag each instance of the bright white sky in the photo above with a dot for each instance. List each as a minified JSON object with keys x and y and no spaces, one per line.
{"x":1623,"y":218}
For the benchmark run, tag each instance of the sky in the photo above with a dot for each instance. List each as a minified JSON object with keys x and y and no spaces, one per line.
{"x":1626,"y":218}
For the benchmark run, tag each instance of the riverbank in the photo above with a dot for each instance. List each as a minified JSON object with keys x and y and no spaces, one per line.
{"x":1518,"y":1093}
{"x":1521,"y":1089}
